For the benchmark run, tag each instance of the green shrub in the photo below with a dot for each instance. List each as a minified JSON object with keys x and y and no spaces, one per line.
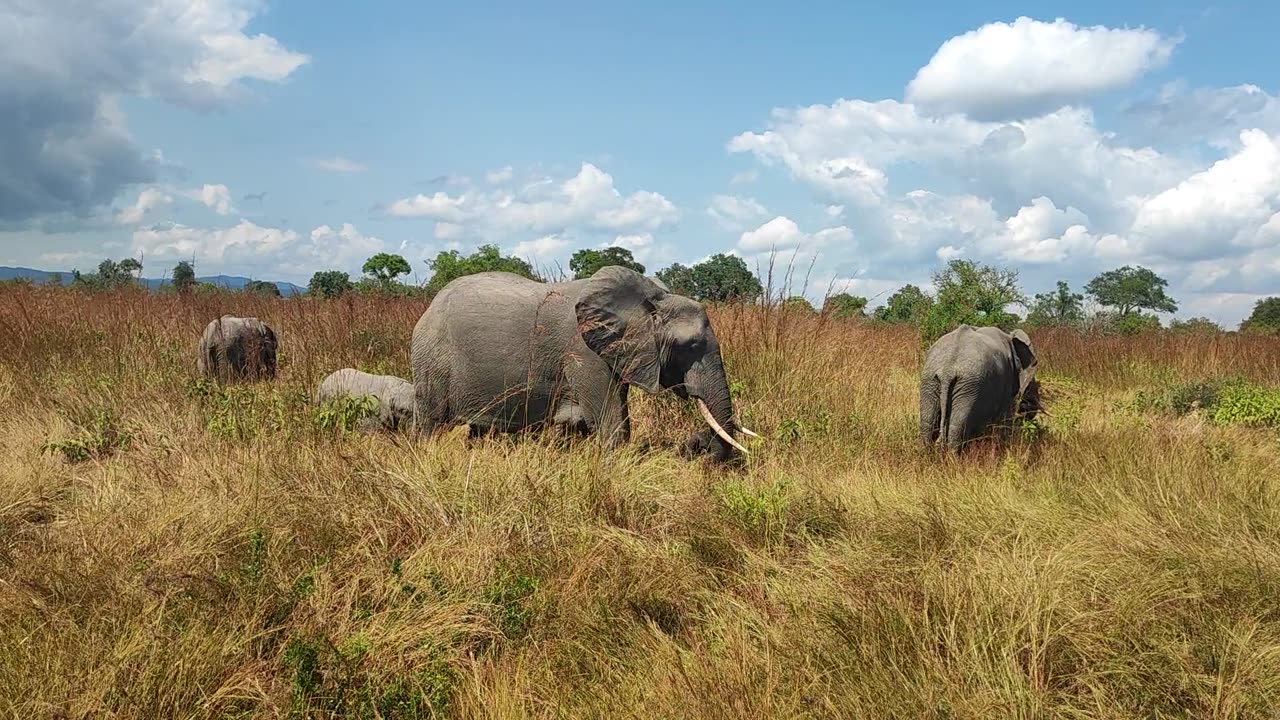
{"x":1248,"y":405}
{"x":99,"y":434}
{"x":1225,"y":402}
{"x":344,"y":414}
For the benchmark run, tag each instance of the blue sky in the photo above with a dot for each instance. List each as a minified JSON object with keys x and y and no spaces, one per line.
{"x":1061,"y":139}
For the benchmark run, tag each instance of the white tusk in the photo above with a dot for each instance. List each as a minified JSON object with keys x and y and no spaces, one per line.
{"x":747,"y":432}
{"x":706,"y":415}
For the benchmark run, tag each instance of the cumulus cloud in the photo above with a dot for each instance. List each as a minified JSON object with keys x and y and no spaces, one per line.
{"x":782,"y":233}
{"x":248,"y":247}
{"x":148,"y":199}
{"x":735,"y":213}
{"x":542,"y":248}
{"x":1227,"y":204}
{"x":215,"y":197}
{"x":587,"y":202}
{"x":1008,"y":71}
{"x":1049,"y":191}
{"x":338,"y":164}
{"x":64,"y":143}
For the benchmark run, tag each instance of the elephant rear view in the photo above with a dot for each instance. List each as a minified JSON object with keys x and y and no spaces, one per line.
{"x":237,"y":348}
{"x":394,"y":395}
{"x":972,"y":378}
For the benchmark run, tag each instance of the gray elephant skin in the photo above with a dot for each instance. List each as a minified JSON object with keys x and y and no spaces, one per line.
{"x":503,"y":353}
{"x":394,"y":396}
{"x":237,"y":348}
{"x":972,"y":378}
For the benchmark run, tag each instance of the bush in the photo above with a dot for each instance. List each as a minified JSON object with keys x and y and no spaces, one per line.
{"x":1225,"y":402}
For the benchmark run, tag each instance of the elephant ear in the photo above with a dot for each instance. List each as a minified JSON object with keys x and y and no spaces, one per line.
{"x":617,"y":319}
{"x":1025,"y":355}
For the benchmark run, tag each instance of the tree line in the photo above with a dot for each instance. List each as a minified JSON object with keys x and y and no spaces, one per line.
{"x":964,"y":291}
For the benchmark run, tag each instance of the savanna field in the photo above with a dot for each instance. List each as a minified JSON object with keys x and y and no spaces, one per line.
{"x":174,"y":549}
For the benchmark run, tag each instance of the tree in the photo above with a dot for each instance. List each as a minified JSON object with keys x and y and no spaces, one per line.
{"x":1128,"y":289}
{"x":908,"y":305}
{"x":1060,"y":307}
{"x":678,"y":279}
{"x":586,"y":262}
{"x":1196,"y":325}
{"x":798,"y":302}
{"x":844,"y":305}
{"x":329,"y":284}
{"x":971,"y":294}
{"x":1265,"y":318}
{"x":262,"y":287}
{"x":725,"y":278}
{"x":385,"y":267}
{"x":448,"y":266}
{"x":184,"y":277}
{"x":719,"y":278}
{"x":110,"y":275}
{"x":1131,"y":324}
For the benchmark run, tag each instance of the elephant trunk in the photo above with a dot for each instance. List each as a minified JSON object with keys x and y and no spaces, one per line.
{"x":706,"y":384}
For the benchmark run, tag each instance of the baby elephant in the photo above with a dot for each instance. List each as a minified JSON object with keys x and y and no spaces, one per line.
{"x":234,"y":348}
{"x":394,"y":395}
{"x":974,"y":377}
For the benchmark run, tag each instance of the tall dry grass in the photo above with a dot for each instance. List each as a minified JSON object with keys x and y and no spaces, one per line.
{"x":206,"y":552}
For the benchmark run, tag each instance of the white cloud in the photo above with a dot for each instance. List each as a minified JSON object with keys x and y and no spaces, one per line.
{"x":735,"y":213}
{"x":65,"y":65}
{"x":782,"y":233}
{"x":439,"y":206}
{"x":499,"y":176}
{"x":1054,"y":196}
{"x":148,"y":200}
{"x":247,"y":247}
{"x":215,"y":197}
{"x":588,"y":202}
{"x":338,"y":164}
{"x":542,"y":248}
{"x":1227,"y":204}
{"x":1027,"y":67}
{"x":746,"y":177}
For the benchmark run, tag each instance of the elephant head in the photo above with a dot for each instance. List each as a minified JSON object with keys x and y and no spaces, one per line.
{"x":657,"y":340}
{"x":1024,"y":359}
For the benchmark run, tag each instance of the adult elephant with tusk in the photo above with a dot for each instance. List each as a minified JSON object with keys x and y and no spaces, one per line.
{"x":503,"y":353}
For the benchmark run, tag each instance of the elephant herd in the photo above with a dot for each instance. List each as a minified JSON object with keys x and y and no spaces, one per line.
{"x":502,"y":353}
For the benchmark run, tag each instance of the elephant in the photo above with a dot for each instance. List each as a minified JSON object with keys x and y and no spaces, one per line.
{"x":972,"y":378}
{"x":394,"y":396}
{"x":502,"y":353}
{"x":234,"y":348}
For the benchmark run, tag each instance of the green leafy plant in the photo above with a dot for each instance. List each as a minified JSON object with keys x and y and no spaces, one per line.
{"x":99,"y":434}
{"x":344,"y":414}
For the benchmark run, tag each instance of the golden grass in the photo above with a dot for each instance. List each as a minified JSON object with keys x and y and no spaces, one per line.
{"x":217,"y":555}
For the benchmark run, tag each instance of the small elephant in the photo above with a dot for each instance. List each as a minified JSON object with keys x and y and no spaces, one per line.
{"x":394,"y":396}
{"x":974,"y":377}
{"x":235,"y":348}
{"x":500,"y":352}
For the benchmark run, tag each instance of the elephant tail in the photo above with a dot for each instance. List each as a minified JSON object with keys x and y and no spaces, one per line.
{"x":944,"y":419}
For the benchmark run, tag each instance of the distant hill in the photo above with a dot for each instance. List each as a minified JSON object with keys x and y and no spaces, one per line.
{"x":233,"y":282}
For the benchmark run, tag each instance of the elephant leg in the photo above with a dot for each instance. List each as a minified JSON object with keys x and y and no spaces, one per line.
{"x":602,"y":400}
{"x":930,"y":410}
{"x":967,"y":421}
{"x":429,"y":410}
